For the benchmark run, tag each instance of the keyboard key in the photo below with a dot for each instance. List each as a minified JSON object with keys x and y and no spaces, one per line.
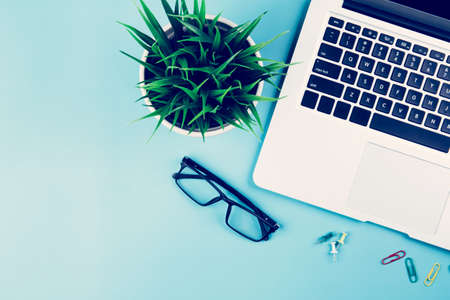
{"x":381,"y":87}
{"x":327,"y":69}
{"x":448,"y":59}
{"x":397,"y":92}
{"x":431,"y":86}
{"x":410,"y":132}
{"x":349,"y":76}
{"x":330,"y":52}
{"x":446,"y":126}
{"x":353,"y":27}
{"x":366,"y":64}
{"x":350,"y":59}
{"x":413,"y":97}
{"x":444,"y":72}
{"x":325,"y":105}
{"x":432,"y":121}
{"x":400,"y":110}
{"x":347,"y":40}
{"x":351,"y":94}
{"x":396,"y":56}
{"x":360,"y":116}
{"x":444,"y":108}
{"x":428,"y":67}
{"x":398,"y":75}
{"x":379,"y":51}
{"x":342,"y":110}
{"x":403,"y":44}
{"x":368,"y":100}
{"x":331,"y":35}
{"x":382,"y":70}
{"x":325,"y":86}
{"x":445,"y":91}
{"x":386,"y":39}
{"x":369,"y":33}
{"x":412,"y":61}
{"x":363,"y":46}
{"x":415,"y":80}
{"x":384,"y":105}
{"x":416,"y":116}
{"x":430,"y":102}
{"x":420,"y":50}
{"x":336,"y":22}
{"x":365,"y":81}
{"x":437,"y":55}
{"x":310,"y":99}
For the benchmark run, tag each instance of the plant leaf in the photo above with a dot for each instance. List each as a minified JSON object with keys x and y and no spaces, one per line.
{"x":250,"y":97}
{"x":218,"y":120}
{"x":176,"y":25}
{"x":145,"y":38}
{"x":155,"y":28}
{"x":202,"y":13}
{"x":184,"y":7}
{"x":241,"y":38}
{"x":141,"y":43}
{"x":197,"y":31}
{"x":253,"y":49}
{"x":196,"y":10}
{"x":204,"y":111}
{"x":217,"y":40}
{"x":176,"y":10}
{"x":256,"y":115}
{"x":175,"y":119}
{"x":213,"y":23}
{"x":222,"y":67}
{"x":154,"y":69}
{"x":188,"y":92}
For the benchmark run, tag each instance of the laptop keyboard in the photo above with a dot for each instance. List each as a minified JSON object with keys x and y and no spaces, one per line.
{"x":391,"y":85}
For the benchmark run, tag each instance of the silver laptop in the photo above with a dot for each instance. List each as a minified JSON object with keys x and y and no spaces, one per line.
{"x":365,"y":128}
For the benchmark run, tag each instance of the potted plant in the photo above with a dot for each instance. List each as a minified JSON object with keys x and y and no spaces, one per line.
{"x":201,"y":75}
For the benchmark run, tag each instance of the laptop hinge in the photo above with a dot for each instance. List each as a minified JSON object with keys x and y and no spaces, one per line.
{"x":396,"y":19}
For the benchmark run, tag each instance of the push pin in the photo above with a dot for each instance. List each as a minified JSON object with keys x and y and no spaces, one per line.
{"x":326,"y":237}
{"x":342,"y":238}
{"x":334,"y":251}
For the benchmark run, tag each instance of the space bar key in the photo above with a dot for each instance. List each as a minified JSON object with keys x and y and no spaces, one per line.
{"x":410,"y":133}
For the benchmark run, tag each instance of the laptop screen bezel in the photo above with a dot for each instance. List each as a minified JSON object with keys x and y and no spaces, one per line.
{"x":409,"y":13}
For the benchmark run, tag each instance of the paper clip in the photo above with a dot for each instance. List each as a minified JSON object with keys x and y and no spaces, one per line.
{"x":411,"y":269}
{"x":393,"y":257}
{"x":433,"y":272}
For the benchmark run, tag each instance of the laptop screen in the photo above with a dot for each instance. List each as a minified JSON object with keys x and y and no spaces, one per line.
{"x":434,"y":7}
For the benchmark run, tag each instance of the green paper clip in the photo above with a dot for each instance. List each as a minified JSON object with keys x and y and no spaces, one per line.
{"x":411,"y":269}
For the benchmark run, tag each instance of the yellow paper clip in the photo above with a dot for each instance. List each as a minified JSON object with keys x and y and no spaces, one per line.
{"x":432,"y":275}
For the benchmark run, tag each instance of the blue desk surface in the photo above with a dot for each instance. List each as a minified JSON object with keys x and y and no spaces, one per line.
{"x":88,"y":210}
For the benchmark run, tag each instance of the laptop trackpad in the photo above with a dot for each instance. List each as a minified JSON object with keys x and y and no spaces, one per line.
{"x":400,"y":189}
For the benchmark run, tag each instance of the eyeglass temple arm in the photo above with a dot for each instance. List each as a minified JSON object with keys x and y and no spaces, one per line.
{"x":193,"y":176}
{"x":241,"y":197}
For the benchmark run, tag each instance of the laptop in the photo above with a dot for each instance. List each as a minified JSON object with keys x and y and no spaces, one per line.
{"x":365,"y":128}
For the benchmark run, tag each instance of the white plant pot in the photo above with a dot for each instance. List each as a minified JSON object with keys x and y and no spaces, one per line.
{"x":211,"y":131}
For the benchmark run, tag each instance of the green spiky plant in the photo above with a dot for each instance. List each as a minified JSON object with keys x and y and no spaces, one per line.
{"x":203,"y":74}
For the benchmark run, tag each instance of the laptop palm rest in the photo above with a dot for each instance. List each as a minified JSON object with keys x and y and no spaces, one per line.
{"x":400,"y":190}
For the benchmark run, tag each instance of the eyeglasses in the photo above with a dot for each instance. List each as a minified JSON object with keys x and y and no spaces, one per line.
{"x":206,"y":189}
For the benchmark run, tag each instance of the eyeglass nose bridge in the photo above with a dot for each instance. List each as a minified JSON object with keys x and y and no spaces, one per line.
{"x":215,"y":200}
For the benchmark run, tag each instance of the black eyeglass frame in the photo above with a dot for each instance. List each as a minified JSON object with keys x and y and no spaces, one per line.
{"x":267,"y":224}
